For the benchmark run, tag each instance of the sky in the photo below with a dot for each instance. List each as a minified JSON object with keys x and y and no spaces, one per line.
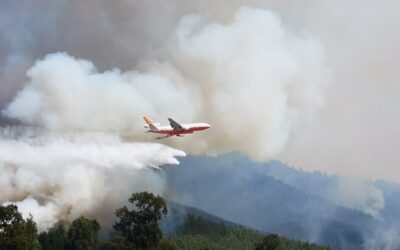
{"x":319,"y":91}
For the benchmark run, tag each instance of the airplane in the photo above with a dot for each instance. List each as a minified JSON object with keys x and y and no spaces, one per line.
{"x":174,"y":128}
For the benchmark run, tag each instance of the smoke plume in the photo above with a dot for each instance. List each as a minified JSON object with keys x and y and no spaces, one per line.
{"x":250,"y":78}
{"x":353,"y":133}
{"x":359,"y":195}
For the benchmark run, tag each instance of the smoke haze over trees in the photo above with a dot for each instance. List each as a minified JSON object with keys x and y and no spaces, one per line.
{"x":137,"y":229}
{"x":272,"y":197}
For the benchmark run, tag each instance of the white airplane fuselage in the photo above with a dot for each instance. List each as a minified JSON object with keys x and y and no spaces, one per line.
{"x":188,"y":129}
{"x":175,"y":128}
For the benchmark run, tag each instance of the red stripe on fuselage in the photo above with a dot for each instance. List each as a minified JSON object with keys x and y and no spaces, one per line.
{"x":175,"y":132}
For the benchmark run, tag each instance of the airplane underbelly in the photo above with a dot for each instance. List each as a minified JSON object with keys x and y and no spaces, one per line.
{"x":173,"y":132}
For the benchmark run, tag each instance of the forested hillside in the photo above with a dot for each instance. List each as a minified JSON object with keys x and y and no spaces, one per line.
{"x":139,"y":229}
{"x":272,"y":197}
{"x":197,"y":233}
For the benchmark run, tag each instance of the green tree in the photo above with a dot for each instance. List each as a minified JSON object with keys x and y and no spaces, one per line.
{"x":140,"y":225}
{"x":11,"y":225}
{"x":31,"y":234}
{"x":15,"y":232}
{"x":83,"y":234}
{"x":165,"y":244}
{"x":270,"y":242}
{"x":116,"y":243}
{"x":54,"y":239}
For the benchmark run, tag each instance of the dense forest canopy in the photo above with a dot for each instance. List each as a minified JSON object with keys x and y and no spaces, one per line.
{"x":136,"y":228}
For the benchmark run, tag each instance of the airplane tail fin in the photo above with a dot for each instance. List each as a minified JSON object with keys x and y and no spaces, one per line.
{"x":150,"y":123}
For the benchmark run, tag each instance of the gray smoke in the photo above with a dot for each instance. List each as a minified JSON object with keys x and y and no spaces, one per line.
{"x":360,"y":41}
{"x":250,"y":78}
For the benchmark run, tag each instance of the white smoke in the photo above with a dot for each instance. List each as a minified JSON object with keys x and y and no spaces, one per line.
{"x":252,"y":79}
{"x":386,"y":238}
{"x":59,"y":176}
{"x":360,"y":195}
{"x":65,"y":92}
{"x":257,"y":78}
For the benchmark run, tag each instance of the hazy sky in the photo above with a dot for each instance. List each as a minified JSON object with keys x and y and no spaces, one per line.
{"x":355,"y":132}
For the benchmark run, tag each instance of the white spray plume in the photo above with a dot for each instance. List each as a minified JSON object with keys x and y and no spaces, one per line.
{"x":252,"y":79}
{"x":59,"y":176}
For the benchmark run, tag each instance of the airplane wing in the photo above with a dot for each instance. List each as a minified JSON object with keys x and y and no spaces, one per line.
{"x":175,"y":125}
